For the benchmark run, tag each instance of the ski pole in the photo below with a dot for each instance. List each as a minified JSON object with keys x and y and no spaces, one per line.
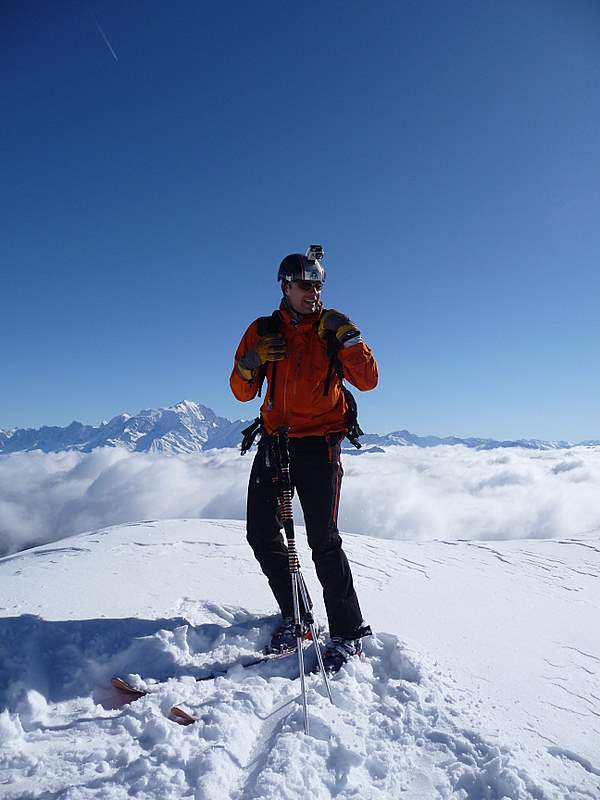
{"x":299,"y":590}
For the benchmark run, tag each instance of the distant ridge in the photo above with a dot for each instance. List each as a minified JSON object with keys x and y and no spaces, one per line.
{"x":188,"y":427}
{"x":406,"y":438}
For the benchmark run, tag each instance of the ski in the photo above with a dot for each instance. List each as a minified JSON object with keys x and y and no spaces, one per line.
{"x":135,"y":693}
{"x":182,"y":717}
{"x":176,"y":713}
{"x":124,"y":686}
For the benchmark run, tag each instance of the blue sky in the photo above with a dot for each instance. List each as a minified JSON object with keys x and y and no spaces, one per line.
{"x":445,"y":154}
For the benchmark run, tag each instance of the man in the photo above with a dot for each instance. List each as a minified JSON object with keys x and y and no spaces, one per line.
{"x":306,"y":396}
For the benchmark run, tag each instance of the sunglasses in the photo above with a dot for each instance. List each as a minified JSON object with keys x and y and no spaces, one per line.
{"x":306,"y":286}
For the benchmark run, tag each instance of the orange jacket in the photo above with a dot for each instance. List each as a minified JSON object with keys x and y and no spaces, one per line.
{"x":299,"y":402}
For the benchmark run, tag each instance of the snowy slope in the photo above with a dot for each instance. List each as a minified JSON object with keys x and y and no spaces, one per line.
{"x":481,"y":681}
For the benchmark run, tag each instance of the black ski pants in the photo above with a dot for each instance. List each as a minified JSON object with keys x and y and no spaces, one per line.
{"x":316,"y":473}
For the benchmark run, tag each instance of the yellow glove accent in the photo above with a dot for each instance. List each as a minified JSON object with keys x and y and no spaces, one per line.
{"x":339,"y":324}
{"x":247,"y":374}
{"x":268,"y":348}
{"x":344,"y":329}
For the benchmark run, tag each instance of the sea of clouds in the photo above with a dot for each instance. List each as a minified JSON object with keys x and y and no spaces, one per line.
{"x":405,"y":493}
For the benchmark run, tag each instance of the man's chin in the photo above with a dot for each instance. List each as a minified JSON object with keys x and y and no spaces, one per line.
{"x":304,"y":309}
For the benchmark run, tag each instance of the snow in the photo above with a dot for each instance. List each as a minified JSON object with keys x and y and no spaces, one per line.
{"x":480,"y":683}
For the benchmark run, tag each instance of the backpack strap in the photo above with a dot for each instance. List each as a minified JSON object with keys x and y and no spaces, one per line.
{"x":268,"y":326}
{"x":335,"y":365}
{"x":333,"y":348}
{"x":354,"y":429}
{"x":250,"y":433}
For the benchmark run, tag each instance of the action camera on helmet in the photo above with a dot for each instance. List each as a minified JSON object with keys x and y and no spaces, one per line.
{"x":298,"y":267}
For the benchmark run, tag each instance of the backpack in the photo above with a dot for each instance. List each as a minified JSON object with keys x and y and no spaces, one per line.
{"x":272,"y":325}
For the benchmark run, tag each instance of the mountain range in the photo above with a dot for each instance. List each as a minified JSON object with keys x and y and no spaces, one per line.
{"x":188,"y":427}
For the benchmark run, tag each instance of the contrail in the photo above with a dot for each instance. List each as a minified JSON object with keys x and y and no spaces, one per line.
{"x":104,"y":36}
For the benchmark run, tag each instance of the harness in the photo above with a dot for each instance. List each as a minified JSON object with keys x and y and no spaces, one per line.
{"x":272,"y":325}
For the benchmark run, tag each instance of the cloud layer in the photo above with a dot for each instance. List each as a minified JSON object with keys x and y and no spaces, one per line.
{"x":404,"y":493}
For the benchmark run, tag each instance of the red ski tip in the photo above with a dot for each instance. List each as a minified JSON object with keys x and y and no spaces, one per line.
{"x":123,"y":686}
{"x":182,"y":717}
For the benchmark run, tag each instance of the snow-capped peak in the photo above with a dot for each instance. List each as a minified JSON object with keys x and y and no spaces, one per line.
{"x":186,"y":427}
{"x":189,"y":427}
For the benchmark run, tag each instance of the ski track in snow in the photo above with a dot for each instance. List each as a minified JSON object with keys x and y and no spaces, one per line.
{"x":401,"y":725}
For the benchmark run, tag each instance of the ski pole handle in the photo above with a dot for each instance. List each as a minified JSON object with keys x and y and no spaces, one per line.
{"x":286,"y":514}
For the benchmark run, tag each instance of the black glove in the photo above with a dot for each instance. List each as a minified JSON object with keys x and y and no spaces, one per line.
{"x":339,"y":324}
{"x":268,"y":348}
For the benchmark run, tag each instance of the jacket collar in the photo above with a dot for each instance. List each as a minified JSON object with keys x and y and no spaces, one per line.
{"x":292,"y":318}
